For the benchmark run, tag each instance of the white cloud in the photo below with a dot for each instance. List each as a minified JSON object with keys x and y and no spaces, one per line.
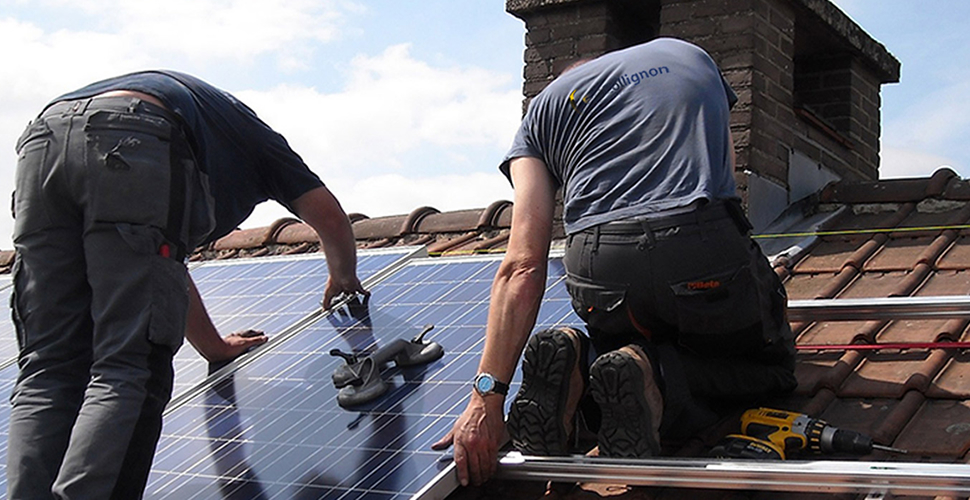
{"x":392,"y":111}
{"x":210,"y":30}
{"x":936,"y":119}
{"x":395,"y":194}
{"x":393,"y":104}
{"x":896,"y":163}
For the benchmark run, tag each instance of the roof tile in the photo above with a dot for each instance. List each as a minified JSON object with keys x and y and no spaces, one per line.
{"x":957,"y":189}
{"x":891,"y":191}
{"x":862,"y":415}
{"x":898,"y":254}
{"x":953,"y":382}
{"x":830,"y":254}
{"x":296,"y":233}
{"x":890,"y":374}
{"x":449,"y":222}
{"x":380,"y":227}
{"x":957,"y":257}
{"x":940,"y":428}
{"x":823,"y":370}
{"x":244,"y":239}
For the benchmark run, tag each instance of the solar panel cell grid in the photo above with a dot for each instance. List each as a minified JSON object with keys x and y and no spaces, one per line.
{"x":8,"y":335}
{"x":267,"y":293}
{"x":264,"y":294}
{"x":273,"y":428}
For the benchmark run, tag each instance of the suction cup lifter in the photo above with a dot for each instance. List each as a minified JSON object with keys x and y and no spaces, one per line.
{"x":359,"y":379}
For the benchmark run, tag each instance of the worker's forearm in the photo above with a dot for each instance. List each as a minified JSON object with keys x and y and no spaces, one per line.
{"x":321,"y":210}
{"x":337,"y":240}
{"x":199,"y":330}
{"x":515,"y":300}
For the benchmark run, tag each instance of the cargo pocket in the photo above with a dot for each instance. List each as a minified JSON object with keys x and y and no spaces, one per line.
{"x":30,"y":212}
{"x":128,"y":159}
{"x":588,"y":296}
{"x":168,"y":279}
{"x":170,"y":302}
{"x":717,"y":304}
{"x":201,"y":206}
{"x":15,"y":315}
{"x":601,"y":306}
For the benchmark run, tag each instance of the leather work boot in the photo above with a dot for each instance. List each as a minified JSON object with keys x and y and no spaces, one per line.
{"x":623,"y":386}
{"x":553,"y":381}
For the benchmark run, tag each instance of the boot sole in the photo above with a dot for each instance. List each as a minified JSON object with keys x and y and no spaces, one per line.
{"x":626,"y":430}
{"x":535,"y":418}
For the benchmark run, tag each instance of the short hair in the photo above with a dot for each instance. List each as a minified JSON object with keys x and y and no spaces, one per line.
{"x":575,"y":64}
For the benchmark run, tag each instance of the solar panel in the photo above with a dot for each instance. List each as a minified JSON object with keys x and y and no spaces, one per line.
{"x":273,"y":429}
{"x":8,"y":376}
{"x":267,"y":293}
{"x":8,"y":334}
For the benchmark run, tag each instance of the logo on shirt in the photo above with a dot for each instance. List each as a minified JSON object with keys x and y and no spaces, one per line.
{"x":574,"y":102}
{"x":634,"y":79}
{"x":576,"y":99}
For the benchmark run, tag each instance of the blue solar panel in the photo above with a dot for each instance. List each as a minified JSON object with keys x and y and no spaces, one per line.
{"x":266,"y":293}
{"x":269,"y":294}
{"x":8,"y":376}
{"x":8,"y":335}
{"x":273,"y":429}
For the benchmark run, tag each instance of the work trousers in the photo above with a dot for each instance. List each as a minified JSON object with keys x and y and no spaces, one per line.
{"x":104,"y":200}
{"x":696,"y":292}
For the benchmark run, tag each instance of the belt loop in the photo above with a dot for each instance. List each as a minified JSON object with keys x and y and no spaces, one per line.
{"x":78,"y":107}
{"x":700,"y":219}
{"x":596,"y":239}
{"x":133,"y":105}
{"x":648,"y":240}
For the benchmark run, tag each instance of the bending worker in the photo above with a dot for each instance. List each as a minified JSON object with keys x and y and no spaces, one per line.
{"x":116,"y":183}
{"x":681,"y":306}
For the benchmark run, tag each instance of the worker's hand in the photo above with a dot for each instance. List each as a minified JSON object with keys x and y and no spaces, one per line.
{"x":477,"y":435}
{"x":336,"y":287}
{"x":237,"y":343}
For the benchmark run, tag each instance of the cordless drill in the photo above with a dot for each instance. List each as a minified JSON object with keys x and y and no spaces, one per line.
{"x":796,"y":432}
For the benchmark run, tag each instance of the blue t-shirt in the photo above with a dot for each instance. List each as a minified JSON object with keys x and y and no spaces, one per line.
{"x":633,"y":133}
{"x":246,"y":161}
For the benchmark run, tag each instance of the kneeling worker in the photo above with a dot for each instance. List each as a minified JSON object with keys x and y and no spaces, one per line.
{"x":681,"y":305}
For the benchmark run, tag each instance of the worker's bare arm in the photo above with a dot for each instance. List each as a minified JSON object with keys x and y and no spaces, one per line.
{"x":202,"y":334}
{"x":321,"y":210}
{"x":516,"y":294}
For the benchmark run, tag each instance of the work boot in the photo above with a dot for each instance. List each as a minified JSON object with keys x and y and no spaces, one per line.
{"x":623,"y":385}
{"x":553,"y":381}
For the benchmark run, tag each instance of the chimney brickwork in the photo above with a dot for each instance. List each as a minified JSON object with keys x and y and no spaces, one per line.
{"x":807,"y":77}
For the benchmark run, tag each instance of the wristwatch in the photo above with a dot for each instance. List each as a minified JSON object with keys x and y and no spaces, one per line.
{"x":486,"y":384}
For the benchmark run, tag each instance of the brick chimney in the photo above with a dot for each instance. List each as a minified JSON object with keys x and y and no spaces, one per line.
{"x":807,"y":78}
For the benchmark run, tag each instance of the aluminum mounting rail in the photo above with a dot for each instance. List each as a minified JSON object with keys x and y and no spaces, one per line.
{"x":828,"y":476}
{"x":950,"y":306}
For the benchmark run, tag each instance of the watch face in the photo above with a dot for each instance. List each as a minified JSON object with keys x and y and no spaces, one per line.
{"x":484,"y":383}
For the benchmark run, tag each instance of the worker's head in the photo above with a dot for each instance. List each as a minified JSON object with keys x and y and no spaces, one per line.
{"x":575,"y":64}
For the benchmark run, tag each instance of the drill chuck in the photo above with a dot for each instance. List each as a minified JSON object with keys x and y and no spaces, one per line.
{"x":845,"y":441}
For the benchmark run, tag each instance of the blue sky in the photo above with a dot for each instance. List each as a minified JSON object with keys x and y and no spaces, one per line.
{"x":397,"y":104}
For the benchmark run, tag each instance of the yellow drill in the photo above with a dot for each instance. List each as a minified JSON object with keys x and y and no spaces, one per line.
{"x":796,"y":432}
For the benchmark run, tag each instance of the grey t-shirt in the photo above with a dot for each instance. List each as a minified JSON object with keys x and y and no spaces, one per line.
{"x":633,"y":133}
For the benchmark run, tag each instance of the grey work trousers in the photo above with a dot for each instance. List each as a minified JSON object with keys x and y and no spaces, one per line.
{"x":100,"y":295}
{"x":696,"y":292}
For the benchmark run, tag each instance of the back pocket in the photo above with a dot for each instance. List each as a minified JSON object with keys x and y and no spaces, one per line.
{"x":717,"y":304}
{"x":128,"y":158}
